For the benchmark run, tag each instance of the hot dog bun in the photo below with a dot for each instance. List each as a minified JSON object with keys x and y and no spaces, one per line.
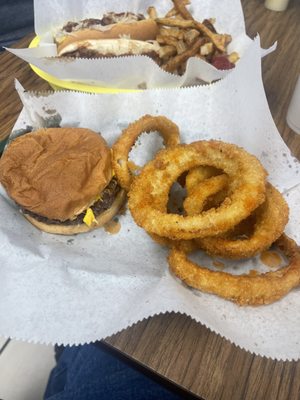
{"x":143,"y":30}
{"x":110,"y":48}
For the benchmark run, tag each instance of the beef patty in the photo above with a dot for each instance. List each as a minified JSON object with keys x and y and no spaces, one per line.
{"x":104,"y":203}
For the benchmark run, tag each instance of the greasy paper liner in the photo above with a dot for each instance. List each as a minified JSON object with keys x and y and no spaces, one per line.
{"x":72,"y":290}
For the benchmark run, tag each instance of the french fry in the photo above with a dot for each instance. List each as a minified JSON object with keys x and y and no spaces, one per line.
{"x":181,"y":37}
{"x":165,"y":52}
{"x":182,"y":10}
{"x":233,"y":57}
{"x":173,"y":32}
{"x":228,"y":38}
{"x":206,"y":49}
{"x":181,"y":68}
{"x":175,"y":22}
{"x":181,"y":47}
{"x":208,"y":23}
{"x":191,"y":35}
{"x":152,"y":12}
{"x":166,"y":40}
{"x":174,"y":11}
{"x":218,"y":40}
{"x":173,"y":64}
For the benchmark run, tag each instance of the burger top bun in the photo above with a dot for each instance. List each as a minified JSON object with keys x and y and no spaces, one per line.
{"x":146,"y":29}
{"x":56,"y":172}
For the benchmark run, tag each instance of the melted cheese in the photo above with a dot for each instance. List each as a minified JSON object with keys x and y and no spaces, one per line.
{"x":89,"y":217}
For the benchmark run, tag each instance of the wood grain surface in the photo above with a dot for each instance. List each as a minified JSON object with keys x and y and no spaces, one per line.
{"x":172,"y":345}
{"x":281,"y":68}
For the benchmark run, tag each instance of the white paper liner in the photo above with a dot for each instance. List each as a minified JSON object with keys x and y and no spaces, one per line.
{"x":128,"y":72}
{"x":79,"y":289}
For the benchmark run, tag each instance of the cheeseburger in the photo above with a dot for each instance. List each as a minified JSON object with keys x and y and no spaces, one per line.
{"x":62,"y":179}
{"x":116,"y":34}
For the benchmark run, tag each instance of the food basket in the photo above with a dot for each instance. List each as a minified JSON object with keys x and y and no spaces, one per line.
{"x":59,"y":84}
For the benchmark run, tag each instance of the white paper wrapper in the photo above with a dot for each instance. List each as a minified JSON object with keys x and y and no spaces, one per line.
{"x":83,"y":288}
{"x":128,"y":72}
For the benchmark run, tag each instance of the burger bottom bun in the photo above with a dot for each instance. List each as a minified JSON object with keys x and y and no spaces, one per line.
{"x":102,"y":219}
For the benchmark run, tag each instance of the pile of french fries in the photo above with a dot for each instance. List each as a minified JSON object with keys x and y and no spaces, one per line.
{"x":181,"y":37}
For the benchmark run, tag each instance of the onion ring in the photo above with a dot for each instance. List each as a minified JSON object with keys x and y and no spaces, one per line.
{"x":270,"y":220}
{"x":241,"y":289}
{"x":121,"y":148}
{"x":267,"y":222}
{"x":198,"y":196}
{"x":148,"y":195}
{"x":199,"y":174}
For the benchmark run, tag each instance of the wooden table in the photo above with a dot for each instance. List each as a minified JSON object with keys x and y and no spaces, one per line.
{"x":174,"y":346}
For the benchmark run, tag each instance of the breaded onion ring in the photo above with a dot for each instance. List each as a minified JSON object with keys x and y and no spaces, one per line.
{"x":198,"y":196}
{"x":148,"y":196}
{"x":241,"y":289}
{"x":267,"y":222}
{"x":120,"y":150}
{"x":270,"y":220}
{"x":198,"y":175}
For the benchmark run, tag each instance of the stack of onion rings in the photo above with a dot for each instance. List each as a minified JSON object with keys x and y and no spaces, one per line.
{"x":230,"y":211}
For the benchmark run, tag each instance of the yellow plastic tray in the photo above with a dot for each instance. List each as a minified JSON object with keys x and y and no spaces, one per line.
{"x":58,"y":84}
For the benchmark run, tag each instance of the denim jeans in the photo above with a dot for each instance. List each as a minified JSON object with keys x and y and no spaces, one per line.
{"x":91,"y":372}
{"x":16,"y":20}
